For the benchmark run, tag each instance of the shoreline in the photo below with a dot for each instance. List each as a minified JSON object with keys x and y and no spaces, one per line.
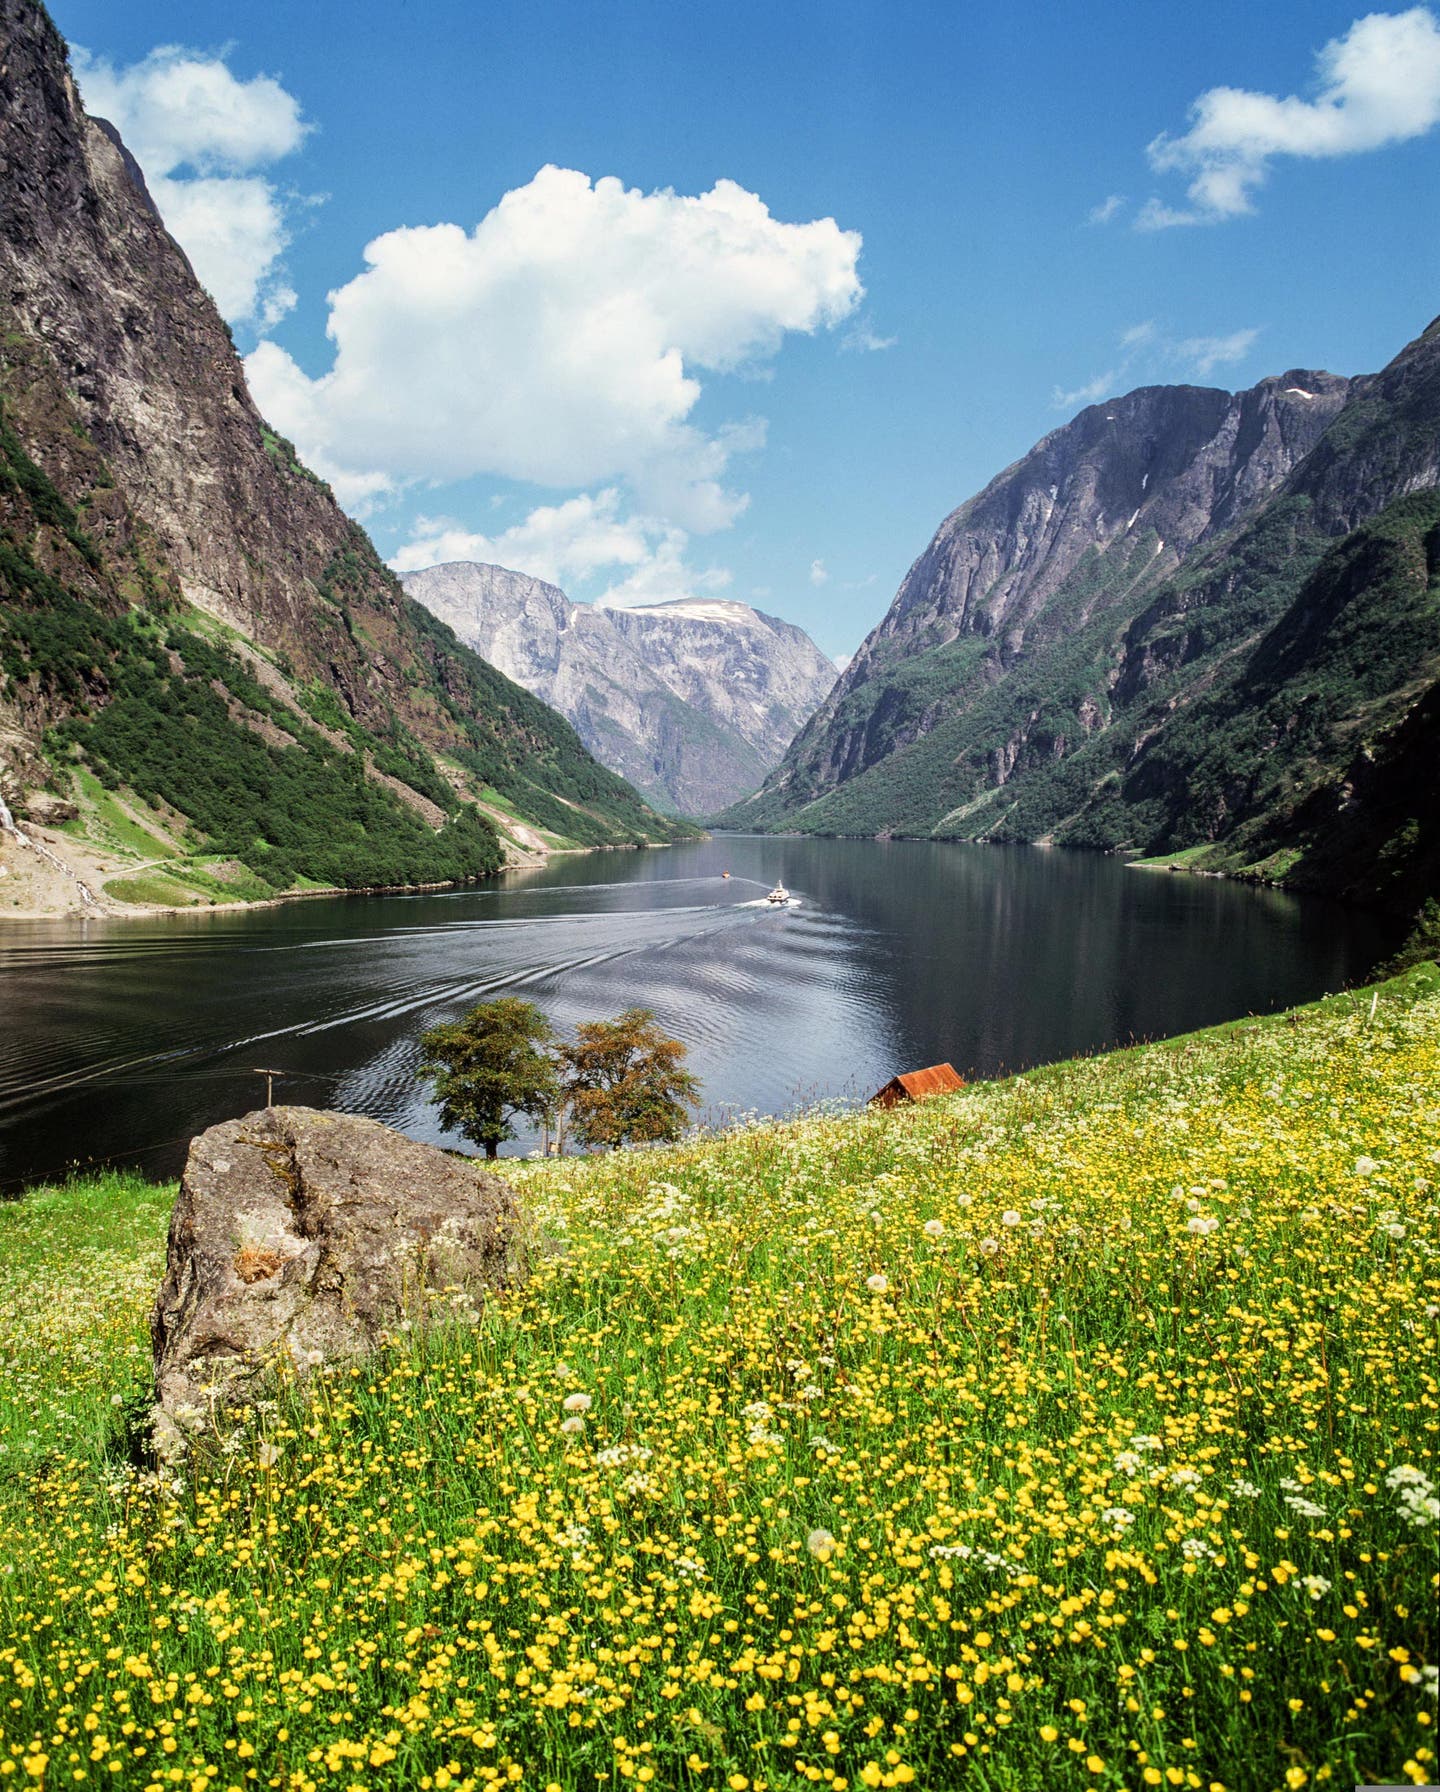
{"x":1132,"y":860}
{"x":71,"y":877}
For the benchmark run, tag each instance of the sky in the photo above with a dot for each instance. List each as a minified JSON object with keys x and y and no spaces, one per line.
{"x":658,"y":301}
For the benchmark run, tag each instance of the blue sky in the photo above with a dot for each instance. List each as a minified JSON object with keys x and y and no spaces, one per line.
{"x":645,"y":392}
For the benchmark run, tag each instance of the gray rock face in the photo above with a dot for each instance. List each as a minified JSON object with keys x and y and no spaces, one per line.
{"x":692,"y":701}
{"x":308,"y":1236}
{"x":1170,"y":467}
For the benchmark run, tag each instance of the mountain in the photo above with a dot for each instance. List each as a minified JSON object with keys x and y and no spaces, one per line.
{"x":195,"y":641}
{"x":692,"y":701}
{"x":1188,"y":620}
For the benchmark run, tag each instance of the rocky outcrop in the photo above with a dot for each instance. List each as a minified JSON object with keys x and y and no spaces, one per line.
{"x":301,"y":1238}
{"x":691,"y":701}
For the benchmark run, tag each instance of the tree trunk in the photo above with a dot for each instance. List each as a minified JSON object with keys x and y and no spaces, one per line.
{"x":492,"y":1148}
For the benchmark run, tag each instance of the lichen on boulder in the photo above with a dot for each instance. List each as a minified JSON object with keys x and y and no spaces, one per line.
{"x":301,"y":1238}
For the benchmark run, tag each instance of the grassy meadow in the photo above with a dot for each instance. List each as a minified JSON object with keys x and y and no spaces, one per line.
{"x":1074,"y":1431}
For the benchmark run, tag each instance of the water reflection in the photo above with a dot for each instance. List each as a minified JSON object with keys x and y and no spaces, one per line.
{"x":117,"y":1035}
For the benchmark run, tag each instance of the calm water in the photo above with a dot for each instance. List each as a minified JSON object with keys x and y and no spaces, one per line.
{"x":121,"y":1035}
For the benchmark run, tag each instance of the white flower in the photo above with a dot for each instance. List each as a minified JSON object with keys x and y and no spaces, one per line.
{"x":578,"y":1403}
{"x":964,"y":1200}
{"x":1419,"y":1507}
{"x":1009,"y":1217}
{"x":878,"y":1284}
{"x":989,"y":1246}
{"x":821,"y":1544}
{"x":1119,"y":1516}
{"x":1365,"y":1166}
{"x":1184,"y":1477}
{"x":943,"y":1552}
{"x":1306,"y":1508}
{"x":758,"y":1411}
{"x":1128,"y":1463}
{"x":267,"y":1455}
{"x":573,"y":1425}
{"x":1202,"y":1228}
{"x":759,"y":1434}
{"x":1194,"y":1548}
{"x":1247,"y":1490}
{"x":1315,"y":1585}
{"x":1144,"y":1440}
{"x":616,"y":1455}
{"x":934,"y":1228}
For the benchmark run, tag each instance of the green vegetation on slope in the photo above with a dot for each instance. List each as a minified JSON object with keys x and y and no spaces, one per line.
{"x":113,"y":672}
{"x":1073,"y":1431}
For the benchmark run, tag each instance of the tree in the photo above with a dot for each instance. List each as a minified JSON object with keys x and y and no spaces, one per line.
{"x":490,"y":1066}
{"x":625,"y":1083}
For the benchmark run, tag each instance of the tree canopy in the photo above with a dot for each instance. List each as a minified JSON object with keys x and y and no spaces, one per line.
{"x":490,"y":1066}
{"x":625,"y":1082}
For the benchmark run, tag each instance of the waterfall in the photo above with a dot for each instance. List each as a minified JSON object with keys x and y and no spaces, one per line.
{"x":8,"y":825}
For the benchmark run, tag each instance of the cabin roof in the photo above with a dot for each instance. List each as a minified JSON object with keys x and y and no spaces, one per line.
{"x":935,"y":1079}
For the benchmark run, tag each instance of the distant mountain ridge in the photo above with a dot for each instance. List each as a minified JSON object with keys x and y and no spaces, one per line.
{"x":1187,"y":620}
{"x":692,"y":701}
{"x":184,"y":609}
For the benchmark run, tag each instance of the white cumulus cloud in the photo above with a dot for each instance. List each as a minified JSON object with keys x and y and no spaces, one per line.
{"x":561,"y":342}
{"x":586,"y":541}
{"x":1106,"y":210}
{"x":556,"y":542}
{"x":201,"y":136}
{"x":1378,"y":84}
{"x":818,"y":574}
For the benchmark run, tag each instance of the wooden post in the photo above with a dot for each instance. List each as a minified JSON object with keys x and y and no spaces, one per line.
{"x":269,"y":1076}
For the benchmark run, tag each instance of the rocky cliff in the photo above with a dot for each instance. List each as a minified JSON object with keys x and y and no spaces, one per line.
{"x":165,"y":554}
{"x":1188,"y":619}
{"x":692,"y":701}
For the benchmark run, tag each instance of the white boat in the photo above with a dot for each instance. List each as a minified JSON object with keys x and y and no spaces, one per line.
{"x":780,"y":896}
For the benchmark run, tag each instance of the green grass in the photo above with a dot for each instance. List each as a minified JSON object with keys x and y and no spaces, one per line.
{"x":1073,"y":1431}
{"x":1185,"y":859}
{"x":186,"y":883}
{"x":78,"y":1266}
{"x":103,"y":821}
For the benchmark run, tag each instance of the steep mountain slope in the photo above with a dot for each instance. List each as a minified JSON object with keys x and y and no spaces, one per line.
{"x":183,"y":607}
{"x":1207,"y":671}
{"x":692,"y":701}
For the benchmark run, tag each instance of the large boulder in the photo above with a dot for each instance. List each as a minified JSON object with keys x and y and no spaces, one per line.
{"x":304,"y":1237}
